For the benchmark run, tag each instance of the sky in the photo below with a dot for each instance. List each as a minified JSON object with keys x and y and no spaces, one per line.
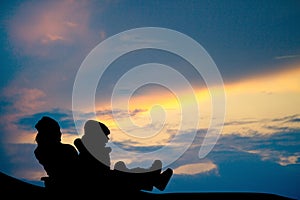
{"x":230,"y":86}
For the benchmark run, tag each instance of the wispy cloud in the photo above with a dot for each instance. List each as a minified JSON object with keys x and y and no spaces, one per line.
{"x":52,"y":37}
{"x":287,"y":56}
{"x":295,"y":120}
{"x":108,"y":114}
{"x":241,"y":122}
{"x":264,"y":126}
{"x":286,"y":118}
{"x":281,"y":147}
{"x":294,"y":159}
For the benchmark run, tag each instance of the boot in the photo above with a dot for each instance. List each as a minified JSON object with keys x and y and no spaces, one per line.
{"x":163,"y":179}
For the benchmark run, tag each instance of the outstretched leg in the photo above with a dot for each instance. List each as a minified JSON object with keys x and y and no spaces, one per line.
{"x":164,"y":179}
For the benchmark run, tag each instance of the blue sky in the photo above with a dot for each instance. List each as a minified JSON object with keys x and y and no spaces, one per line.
{"x":254,"y":44}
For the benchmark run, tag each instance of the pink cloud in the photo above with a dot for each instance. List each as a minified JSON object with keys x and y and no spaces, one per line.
{"x":36,"y":27}
{"x":51,"y":38}
{"x":26,"y":100}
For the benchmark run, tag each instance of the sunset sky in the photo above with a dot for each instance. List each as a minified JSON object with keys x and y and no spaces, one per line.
{"x":255,"y":46}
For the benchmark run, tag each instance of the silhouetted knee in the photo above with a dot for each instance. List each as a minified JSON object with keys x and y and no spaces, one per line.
{"x":121,"y":166}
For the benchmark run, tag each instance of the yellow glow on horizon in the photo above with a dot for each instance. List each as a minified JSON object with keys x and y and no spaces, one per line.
{"x":280,"y":81}
{"x":271,"y":95}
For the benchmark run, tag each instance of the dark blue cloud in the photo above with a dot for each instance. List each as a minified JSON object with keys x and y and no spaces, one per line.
{"x":295,"y":120}
{"x":268,"y":140}
{"x":130,"y":146}
{"x":272,"y":147}
{"x":63,"y":117}
{"x":289,"y":118}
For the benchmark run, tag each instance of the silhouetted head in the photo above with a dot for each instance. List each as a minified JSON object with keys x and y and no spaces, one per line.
{"x":95,"y":139}
{"x":48,"y":130}
{"x":95,"y":127}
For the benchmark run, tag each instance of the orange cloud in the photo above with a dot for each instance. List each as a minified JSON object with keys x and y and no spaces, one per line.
{"x":195,"y":168}
{"x":51,"y":38}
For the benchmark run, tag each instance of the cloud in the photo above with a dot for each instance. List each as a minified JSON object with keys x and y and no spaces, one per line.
{"x":287,"y":56}
{"x":263,"y":126}
{"x":260,"y":162}
{"x":24,"y":108}
{"x":295,"y":120}
{"x":22,"y":102}
{"x":133,"y":146}
{"x":54,"y":36}
{"x":26,"y":100}
{"x":37,"y":27}
{"x":284,"y":161}
{"x":195,"y":168}
{"x":242,"y":172}
{"x":241,"y":122}
{"x":280,"y":147}
{"x":109,"y":114}
{"x":18,"y":128}
{"x":63,"y":117}
{"x":289,"y":118}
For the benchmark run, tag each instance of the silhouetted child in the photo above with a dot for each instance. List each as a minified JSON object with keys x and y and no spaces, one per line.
{"x":95,"y":156}
{"x":60,"y":161}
